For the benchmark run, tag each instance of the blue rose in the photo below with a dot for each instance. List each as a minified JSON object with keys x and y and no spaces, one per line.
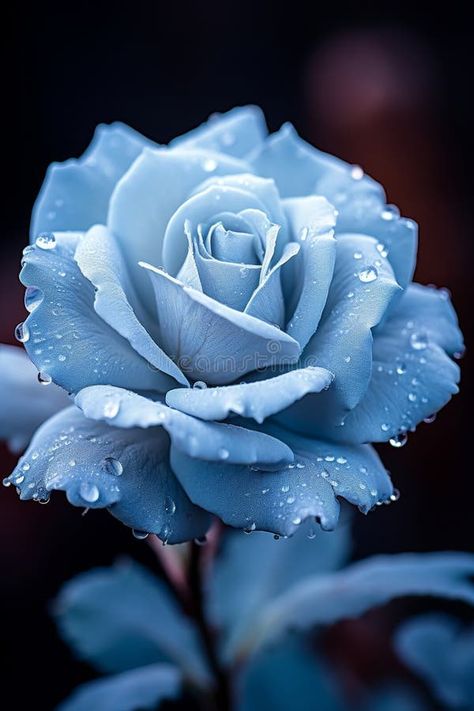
{"x":234,"y":318}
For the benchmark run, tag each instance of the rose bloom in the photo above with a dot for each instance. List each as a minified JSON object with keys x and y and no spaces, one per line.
{"x":234,"y":321}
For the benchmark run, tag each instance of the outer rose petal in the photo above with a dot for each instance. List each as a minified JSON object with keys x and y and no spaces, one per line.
{"x":412,"y":374}
{"x":68,"y":340}
{"x":257,"y":400}
{"x":358,"y":298}
{"x":278,"y":501}
{"x":75,"y":194}
{"x":99,"y":466}
{"x":101,"y":262}
{"x":25,"y":404}
{"x":202,"y":440}
{"x":236,"y":132}
{"x":297,"y":167}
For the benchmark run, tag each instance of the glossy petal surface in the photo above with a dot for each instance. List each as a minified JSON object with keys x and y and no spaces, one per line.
{"x":68,"y":341}
{"x":257,"y":400}
{"x":99,"y":466}
{"x":210,"y":341}
{"x":279,"y":500}
{"x":211,"y":441}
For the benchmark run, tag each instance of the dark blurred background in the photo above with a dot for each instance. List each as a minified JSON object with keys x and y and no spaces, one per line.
{"x":389,"y":88}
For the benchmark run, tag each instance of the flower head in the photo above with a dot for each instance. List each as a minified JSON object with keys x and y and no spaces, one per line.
{"x":234,"y":318}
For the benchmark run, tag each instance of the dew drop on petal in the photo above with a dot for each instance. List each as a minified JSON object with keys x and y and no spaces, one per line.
{"x":46,"y":240}
{"x":111,"y":407}
{"x":170,"y":506}
{"x":418,"y":341}
{"x":395,"y":495}
{"x":199,"y":385}
{"x":201,"y":541}
{"x":22,"y":333}
{"x":44,"y":378}
{"x":113,"y":466}
{"x":390,"y":213}
{"x":223,"y":453}
{"x":33,"y":298}
{"x":140,"y":535}
{"x":367,"y":275}
{"x":89,"y":492}
{"x":357,"y":173}
{"x":399,"y":440}
{"x":430,"y":418}
{"x":209,"y":165}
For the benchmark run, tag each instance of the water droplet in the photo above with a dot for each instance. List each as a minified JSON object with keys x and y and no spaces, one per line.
{"x":399,"y":440}
{"x":170,"y":506}
{"x":304,"y":234}
{"x":244,"y":272}
{"x":46,"y":240}
{"x":44,"y":378}
{"x":223,"y":453}
{"x":430,"y":418}
{"x":89,"y":492}
{"x":419,"y":341}
{"x":251,"y":528}
{"x":22,"y":333}
{"x":276,"y":537}
{"x":209,"y":165}
{"x":33,"y":298}
{"x":6,"y":482}
{"x":357,"y":173}
{"x":140,"y":535}
{"x":390,"y":212}
{"x":341,"y":460}
{"x":367,"y":275}
{"x":113,"y":466}
{"x":395,"y":495}
{"x":357,"y":255}
{"x":111,"y":407}
{"x":381,"y":249}
{"x":199,"y":385}
{"x":401,"y":369}
{"x":459,"y":354}
{"x":384,"y":427}
{"x":311,"y":534}
{"x":412,"y":397}
{"x":296,"y":521}
{"x":201,"y":541}
{"x":19,"y":479}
